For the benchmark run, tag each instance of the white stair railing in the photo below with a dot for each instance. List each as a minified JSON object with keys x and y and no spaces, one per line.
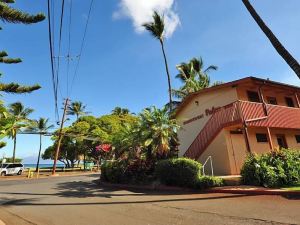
{"x":209,"y":158}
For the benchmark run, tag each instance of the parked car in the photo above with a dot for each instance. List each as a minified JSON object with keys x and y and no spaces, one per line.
{"x":11,"y":169}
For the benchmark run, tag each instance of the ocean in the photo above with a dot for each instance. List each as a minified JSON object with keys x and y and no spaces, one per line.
{"x":42,"y":165}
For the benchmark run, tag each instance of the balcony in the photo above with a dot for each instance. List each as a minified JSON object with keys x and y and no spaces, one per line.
{"x":277,"y":116}
{"x":239,"y":112}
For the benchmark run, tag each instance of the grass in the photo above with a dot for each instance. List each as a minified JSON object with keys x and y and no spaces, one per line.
{"x":293,"y":188}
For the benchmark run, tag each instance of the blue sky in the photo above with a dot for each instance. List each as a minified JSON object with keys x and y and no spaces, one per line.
{"x":122,"y":66}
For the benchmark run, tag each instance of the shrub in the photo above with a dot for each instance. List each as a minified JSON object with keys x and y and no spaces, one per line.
{"x":123,"y":171}
{"x":274,"y":169}
{"x":208,"y":181}
{"x":113,"y":171}
{"x":181,"y":172}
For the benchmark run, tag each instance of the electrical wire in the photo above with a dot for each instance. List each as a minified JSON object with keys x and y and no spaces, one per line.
{"x":82,"y":45}
{"x":69,"y":47}
{"x":52,"y":58}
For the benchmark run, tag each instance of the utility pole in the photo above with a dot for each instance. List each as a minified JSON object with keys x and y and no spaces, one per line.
{"x":60,"y":136}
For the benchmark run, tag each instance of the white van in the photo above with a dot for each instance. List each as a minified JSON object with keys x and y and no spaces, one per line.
{"x":11,"y":169}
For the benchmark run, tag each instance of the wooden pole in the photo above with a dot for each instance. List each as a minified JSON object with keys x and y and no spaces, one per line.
{"x":60,"y":136}
{"x":297,"y":99}
{"x":270,"y":139}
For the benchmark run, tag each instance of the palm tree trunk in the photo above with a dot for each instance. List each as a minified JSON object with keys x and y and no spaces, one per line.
{"x":290,"y":60}
{"x":38,"y":161}
{"x":168,"y":74}
{"x":14,"y":150}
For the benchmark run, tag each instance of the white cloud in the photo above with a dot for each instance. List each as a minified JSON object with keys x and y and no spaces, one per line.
{"x":140,"y":12}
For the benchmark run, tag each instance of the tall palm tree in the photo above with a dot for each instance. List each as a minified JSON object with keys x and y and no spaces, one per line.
{"x":77,"y":108}
{"x":194,"y":77}
{"x":19,"y":119}
{"x":156,"y":29}
{"x":40,"y":126}
{"x":282,"y":51}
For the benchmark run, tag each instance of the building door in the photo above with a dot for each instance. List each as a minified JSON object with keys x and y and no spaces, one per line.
{"x":281,"y":141}
{"x":239,"y":150}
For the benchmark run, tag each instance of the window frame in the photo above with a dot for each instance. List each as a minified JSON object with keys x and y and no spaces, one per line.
{"x":260,"y":139}
{"x":249,"y":93}
{"x":271,"y":98}
{"x":287,"y":99}
{"x":296,"y":137}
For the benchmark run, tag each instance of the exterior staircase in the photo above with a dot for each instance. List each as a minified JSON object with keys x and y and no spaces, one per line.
{"x":224,"y":116}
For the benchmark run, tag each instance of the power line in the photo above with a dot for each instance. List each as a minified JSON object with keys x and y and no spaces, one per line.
{"x":69,"y":46}
{"x":82,"y":45}
{"x":59,"y":46}
{"x":52,"y":58}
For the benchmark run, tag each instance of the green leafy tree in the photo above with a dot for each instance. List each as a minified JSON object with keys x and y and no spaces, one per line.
{"x":68,"y":153}
{"x":41,"y":126}
{"x":156,"y":29}
{"x":77,"y":108}
{"x":282,"y":51}
{"x":11,"y":15}
{"x":17,"y":120}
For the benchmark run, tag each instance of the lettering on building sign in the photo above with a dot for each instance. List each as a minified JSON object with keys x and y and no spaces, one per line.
{"x":208,"y":112}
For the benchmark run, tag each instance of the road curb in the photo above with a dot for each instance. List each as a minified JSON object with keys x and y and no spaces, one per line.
{"x":253,"y":191}
{"x":158,"y":187}
{"x":224,"y":190}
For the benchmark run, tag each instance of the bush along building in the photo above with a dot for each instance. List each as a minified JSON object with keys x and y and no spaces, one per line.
{"x":229,"y":120}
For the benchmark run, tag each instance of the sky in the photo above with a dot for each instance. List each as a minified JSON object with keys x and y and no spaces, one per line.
{"x":122,"y":65}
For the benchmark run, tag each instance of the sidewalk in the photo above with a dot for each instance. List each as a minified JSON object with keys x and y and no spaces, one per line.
{"x":254,"y":190}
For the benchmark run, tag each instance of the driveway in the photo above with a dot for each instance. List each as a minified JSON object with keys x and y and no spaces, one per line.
{"x":80,"y":200}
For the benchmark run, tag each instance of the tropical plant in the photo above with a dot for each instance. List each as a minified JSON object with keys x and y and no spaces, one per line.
{"x":17,"y":120}
{"x":40,"y":126}
{"x":282,"y":51}
{"x":156,"y":29}
{"x":157,"y":130}
{"x":120,"y":111}
{"x":11,"y":15}
{"x":194,"y":77}
{"x":77,"y":108}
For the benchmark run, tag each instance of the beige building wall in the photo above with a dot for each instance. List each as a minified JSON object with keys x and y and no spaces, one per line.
{"x":218,"y":151}
{"x":188,"y":132}
{"x":277,"y":93}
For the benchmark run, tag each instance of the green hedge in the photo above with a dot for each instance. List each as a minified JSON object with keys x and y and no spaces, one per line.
{"x":184,"y":172}
{"x":274,"y":169}
{"x":207,"y":182}
{"x":181,"y":172}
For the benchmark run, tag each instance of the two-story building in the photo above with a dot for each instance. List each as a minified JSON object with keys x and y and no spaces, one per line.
{"x":228,"y":120}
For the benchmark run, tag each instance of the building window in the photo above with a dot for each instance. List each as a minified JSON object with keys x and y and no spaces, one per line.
{"x":272,"y":100}
{"x":297,"y":138}
{"x":253,"y":96}
{"x":289,"y":102}
{"x":261,"y":138}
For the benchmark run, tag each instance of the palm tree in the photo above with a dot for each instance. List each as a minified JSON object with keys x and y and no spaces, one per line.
{"x":194,"y":77}
{"x":77,"y":108}
{"x":156,"y":29}
{"x":41,"y":127}
{"x":18,"y":120}
{"x":282,"y":51}
{"x":157,"y":130}
{"x":120,"y":111}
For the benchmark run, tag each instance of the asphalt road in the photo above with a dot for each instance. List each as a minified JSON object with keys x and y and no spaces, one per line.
{"x":80,"y":200}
